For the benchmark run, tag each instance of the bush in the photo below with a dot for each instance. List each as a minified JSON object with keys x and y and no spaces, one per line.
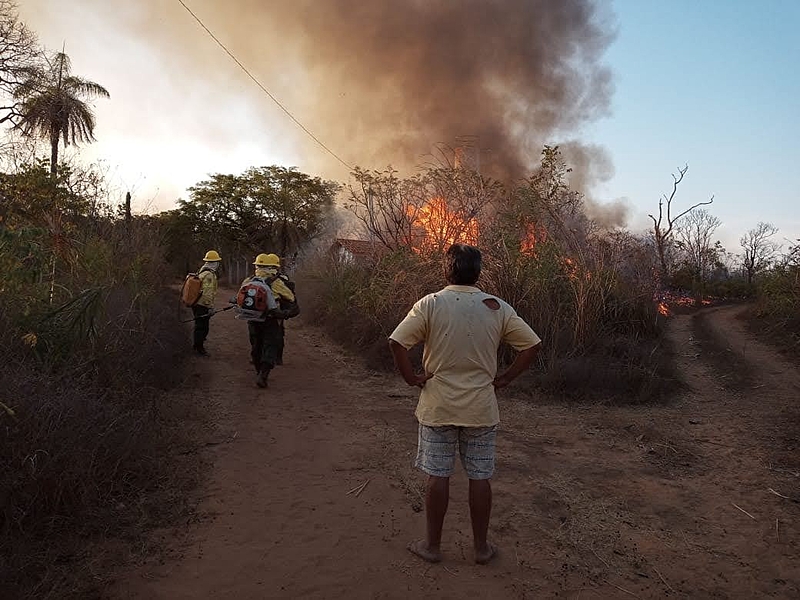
{"x":88,"y":350}
{"x":360,"y":303}
{"x":602,"y":335}
{"x":776,"y":316}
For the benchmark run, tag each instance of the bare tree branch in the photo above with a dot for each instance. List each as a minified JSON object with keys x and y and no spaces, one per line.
{"x":20,"y":56}
{"x":662,"y":232}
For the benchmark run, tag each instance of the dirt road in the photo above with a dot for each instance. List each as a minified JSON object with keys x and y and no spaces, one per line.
{"x":590,"y":501}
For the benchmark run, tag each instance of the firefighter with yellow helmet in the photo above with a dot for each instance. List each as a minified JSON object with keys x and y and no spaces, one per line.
{"x":204,"y":308}
{"x":266,"y":337}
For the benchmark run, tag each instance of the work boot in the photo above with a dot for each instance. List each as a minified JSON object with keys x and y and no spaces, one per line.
{"x":200,"y":350}
{"x":261,"y":380}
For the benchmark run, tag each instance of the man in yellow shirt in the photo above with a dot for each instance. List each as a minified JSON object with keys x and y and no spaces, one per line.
{"x":462,"y":328}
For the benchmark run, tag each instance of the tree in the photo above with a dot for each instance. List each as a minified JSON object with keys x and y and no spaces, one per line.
{"x":292,"y":204}
{"x":53,"y":106}
{"x":664,"y":226}
{"x":551,"y":208}
{"x":385,"y":204}
{"x":695,"y":231}
{"x":28,"y":195}
{"x":19,"y":56}
{"x":759,"y":249}
{"x":427,"y":212}
{"x":264,"y":209}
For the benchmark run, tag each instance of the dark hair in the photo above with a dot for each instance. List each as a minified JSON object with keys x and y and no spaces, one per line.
{"x":462,"y":264}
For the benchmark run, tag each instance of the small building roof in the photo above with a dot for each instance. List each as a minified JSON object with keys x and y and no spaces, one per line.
{"x":359,"y":248}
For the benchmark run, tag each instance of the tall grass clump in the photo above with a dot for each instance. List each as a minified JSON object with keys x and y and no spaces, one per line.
{"x":359,"y":302}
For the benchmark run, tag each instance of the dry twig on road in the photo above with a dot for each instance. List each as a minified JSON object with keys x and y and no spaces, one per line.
{"x":622,"y":589}
{"x":782,"y":496}
{"x":743,"y":510}
{"x":661,"y":577}
{"x":359,"y":488}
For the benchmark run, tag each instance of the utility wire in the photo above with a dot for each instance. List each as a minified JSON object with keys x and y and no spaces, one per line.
{"x":265,"y":90}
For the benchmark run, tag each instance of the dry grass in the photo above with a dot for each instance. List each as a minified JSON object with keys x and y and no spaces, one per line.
{"x":91,"y":444}
{"x":602,"y":339}
{"x":87,"y":461}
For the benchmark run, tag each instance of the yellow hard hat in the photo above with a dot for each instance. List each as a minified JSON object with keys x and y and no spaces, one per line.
{"x":212,"y":256}
{"x":267,"y":260}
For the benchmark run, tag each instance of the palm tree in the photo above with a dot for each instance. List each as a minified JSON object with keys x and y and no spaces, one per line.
{"x":53,"y":106}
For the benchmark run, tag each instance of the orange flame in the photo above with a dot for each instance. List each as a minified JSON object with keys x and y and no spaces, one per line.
{"x":533,"y":235}
{"x":436,"y":228}
{"x":663,"y":309}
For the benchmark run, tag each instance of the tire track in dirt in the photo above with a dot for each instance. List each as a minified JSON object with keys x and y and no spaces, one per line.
{"x":591,"y":501}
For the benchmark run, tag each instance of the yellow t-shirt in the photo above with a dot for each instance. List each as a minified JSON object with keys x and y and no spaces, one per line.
{"x":461,"y":335}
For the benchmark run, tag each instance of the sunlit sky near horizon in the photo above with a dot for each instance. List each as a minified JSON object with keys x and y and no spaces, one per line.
{"x":711,"y":84}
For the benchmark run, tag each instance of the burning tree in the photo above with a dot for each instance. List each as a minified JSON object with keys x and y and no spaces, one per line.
{"x":426,"y":213}
{"x":546,"y":208}
{"x":434,"y":227}
{"x":552,"y":262}
{"x":587,"y":291}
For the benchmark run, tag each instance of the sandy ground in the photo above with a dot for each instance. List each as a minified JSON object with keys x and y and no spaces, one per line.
{"x":589,"y":501}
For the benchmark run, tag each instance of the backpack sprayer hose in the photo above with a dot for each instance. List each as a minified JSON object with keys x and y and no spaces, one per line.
{"x":208,"y":316}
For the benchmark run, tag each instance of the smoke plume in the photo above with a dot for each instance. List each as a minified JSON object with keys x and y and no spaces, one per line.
{"x":382,"y":82}
{"x":388,"y":79}
{"x":592,"y":165}
{"x":379,"y":82}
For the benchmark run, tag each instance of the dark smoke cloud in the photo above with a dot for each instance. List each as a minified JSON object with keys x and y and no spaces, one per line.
{"x":391,"y":78}
{"x":383,"y":81}
{"x":379,"y":81}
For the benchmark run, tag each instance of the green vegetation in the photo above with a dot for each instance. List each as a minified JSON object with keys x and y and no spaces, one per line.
{"x":267,"y":208}
{"x":89,"y":345}
{"x":776,"y":317}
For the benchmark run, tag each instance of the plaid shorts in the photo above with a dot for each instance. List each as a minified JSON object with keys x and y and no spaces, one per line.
{"x":436,"y":450}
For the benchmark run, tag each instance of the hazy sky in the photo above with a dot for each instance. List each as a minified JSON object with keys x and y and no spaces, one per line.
{"x":648,"y":87}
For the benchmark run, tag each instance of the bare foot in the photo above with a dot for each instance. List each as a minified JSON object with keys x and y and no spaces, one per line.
{"x":483,"y":557}
{"x":420,"y":548}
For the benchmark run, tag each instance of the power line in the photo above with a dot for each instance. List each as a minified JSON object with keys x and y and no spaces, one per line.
{"x":265,"y":90}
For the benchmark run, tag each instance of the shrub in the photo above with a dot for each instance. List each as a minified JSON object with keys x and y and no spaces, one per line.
{"x":87,"y":350}
{"x":602,"y":334}
{"x":776,"y":316}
